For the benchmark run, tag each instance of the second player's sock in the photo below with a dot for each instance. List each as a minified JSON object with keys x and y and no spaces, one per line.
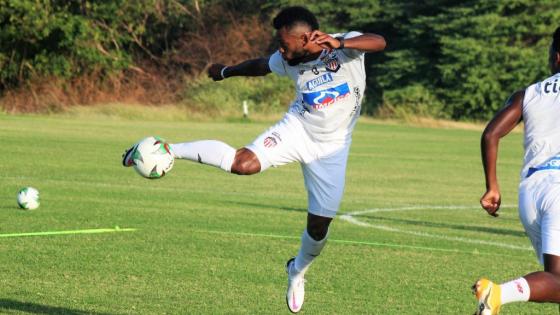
{"x":515,"y":291}
{"x":211,"y":152}
{"x":309,"y":249}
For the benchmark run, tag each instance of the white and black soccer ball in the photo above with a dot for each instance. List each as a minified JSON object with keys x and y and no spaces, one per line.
{"x":28,"y":198}
{"x":152,"y":157}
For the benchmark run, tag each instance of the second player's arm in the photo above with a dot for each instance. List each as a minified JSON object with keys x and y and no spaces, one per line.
{"x":248,"y":68}
{"x":504,"y":121}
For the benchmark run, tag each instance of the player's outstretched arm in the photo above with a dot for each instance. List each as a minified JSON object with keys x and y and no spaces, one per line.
{"x":249,"y":68}
{"x":367,"y":42}
{"x":504,"y":121}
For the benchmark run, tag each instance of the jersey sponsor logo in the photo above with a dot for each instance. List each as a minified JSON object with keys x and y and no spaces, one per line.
{"x":331,"y":61}
{"x":552,"y":164}
{"x":325,"y":98}
{"x":325,"y":78}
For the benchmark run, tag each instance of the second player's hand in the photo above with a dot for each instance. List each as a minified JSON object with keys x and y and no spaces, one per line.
{"x":491,"y":201}
{"x":215,"y":71}
{"x":324,"y":40}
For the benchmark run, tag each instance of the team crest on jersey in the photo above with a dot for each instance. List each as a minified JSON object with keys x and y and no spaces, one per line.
{"x":331,"y":61}
{"x":270,"y":142}
{"x":324,"y":98}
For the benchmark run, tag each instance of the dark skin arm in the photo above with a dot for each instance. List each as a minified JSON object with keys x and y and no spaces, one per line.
{"x":248,"y":68}
{"x":504,"y":121}
{"x":366,"y":42}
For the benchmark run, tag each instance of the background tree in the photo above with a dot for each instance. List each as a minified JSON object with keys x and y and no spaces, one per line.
{"x":444,"y":58}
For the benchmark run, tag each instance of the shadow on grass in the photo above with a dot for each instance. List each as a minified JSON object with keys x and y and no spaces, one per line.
{"x":449,"y":226}
{"x":10,"y":207}
{"x":265,"y":206}
{"x":34,"y":308}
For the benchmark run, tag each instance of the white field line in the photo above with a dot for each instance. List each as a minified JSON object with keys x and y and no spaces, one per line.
{"x":351,"y":218}
{"x":373,"y":210}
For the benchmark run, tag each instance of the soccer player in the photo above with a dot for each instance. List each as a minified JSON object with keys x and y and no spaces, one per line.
{"x":329,"y":78}
{"x":539,"y":191}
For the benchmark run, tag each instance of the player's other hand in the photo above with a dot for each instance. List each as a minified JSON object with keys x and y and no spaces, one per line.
{"x":324,"y":40}
{"x":491,"y":201}
{"x":215,"y":71}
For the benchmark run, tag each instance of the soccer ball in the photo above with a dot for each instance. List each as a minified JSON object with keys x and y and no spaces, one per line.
{"x":152,"y":157}
{"x":28,"y":198}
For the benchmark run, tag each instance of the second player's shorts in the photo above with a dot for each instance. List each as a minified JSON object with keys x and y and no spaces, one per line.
{"x":323,"y":163}
{"x":539,"y":211}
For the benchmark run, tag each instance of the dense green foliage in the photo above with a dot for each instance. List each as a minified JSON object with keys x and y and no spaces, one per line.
{"x":208,"y":242}
{"x":471,"y":56}
{"x":445,"y":58}
{"x":454,"y":59}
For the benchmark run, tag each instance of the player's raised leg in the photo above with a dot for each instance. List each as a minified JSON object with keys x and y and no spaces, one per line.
{"x":211,"y":152}
{"x":218,"y":154}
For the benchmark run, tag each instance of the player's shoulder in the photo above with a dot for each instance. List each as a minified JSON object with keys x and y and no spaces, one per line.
{"x":541,"y":90}
{"x":277,"y":64}
{"x":350,"y":53}
{"x":546,"y":86}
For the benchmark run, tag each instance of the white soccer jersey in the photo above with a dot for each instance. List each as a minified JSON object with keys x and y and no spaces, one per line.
{"x":541,"y":116}
{"x":329,"y":91}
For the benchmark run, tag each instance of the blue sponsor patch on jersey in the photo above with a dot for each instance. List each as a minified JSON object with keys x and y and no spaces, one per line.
{"x":325,"y":78}
{"x":324,"y":98}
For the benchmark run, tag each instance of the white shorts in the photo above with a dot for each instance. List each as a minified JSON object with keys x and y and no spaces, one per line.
{"x":539,"y":211}
{"x":323,"y":164}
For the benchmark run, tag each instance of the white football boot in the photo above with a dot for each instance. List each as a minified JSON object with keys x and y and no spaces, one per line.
{"x":296,"y":287}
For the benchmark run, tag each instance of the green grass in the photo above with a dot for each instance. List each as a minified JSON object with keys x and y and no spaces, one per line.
{"x":215,"y":243}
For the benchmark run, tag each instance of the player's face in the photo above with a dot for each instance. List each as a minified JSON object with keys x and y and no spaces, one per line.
{"x":290,"y":44}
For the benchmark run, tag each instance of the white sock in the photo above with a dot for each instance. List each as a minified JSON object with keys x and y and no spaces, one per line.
{"x":515,"y":291}
{"x":309,"y":249}
{"x":211,"y":152}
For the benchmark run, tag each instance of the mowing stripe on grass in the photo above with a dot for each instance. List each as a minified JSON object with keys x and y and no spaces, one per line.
{"x":351,"y":218}
{"x":377,"y":244}
{"x":87,"y":231}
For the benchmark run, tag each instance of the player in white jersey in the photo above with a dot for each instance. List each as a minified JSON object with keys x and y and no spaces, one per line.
{"x":329,"y":76}
{"x":539,"y":191}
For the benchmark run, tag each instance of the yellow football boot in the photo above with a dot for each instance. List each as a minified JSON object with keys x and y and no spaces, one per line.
{"x":488,"y":295}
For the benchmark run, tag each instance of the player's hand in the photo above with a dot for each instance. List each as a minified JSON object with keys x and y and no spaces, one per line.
{"x":215,"y":71}
{"x":324,"y":40}
{"x":491,"y":201}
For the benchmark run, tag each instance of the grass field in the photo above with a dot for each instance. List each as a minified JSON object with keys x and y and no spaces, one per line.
{"x":412,"y":240}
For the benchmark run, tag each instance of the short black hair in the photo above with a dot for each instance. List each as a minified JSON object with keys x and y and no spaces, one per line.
{"x":292,"y":16}
{"x":556,"y":40}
